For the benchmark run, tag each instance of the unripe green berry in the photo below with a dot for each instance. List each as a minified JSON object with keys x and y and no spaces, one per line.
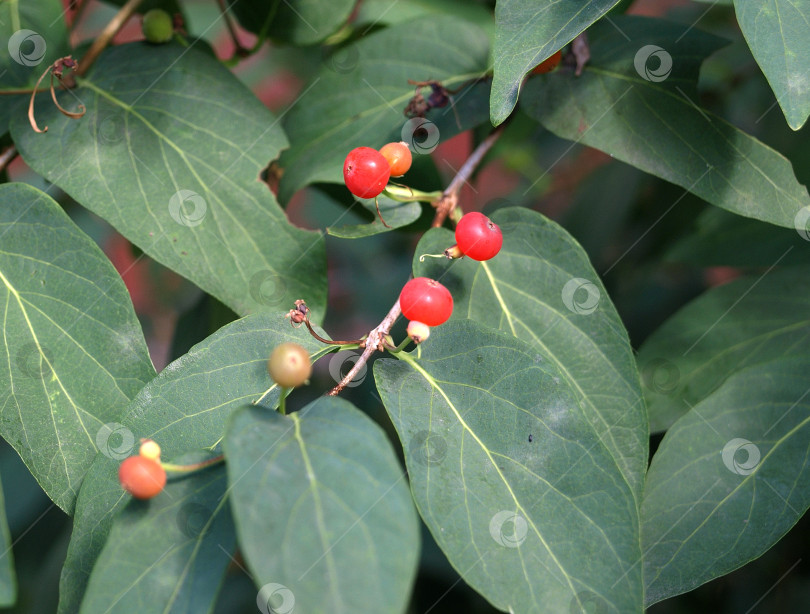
{"x":289,"y":365}
{"x":157,"y":26}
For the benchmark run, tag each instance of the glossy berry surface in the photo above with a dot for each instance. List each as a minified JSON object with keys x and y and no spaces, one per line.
{"x":548,"y":64}
{"x":478,"y":237}
{"x":366,"y":172}
{"x":142,"y":477}
{"x":426,"y":300}
{"x":289,"y":365}
{"x":399,"y":157}
{"x":157,"y":26}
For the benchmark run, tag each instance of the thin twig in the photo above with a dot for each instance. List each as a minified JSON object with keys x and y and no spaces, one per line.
{"x":109,"y":32}
{"x":445,"y":205}
{"x":374,"y":342}
{"x":8,"y":154}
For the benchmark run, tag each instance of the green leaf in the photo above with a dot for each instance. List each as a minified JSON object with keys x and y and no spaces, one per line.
{"x":184,"y":408}
{"x":8,"y":578}
{"x":168,"y":554}
{"x":32,"y":36}
{"x":542,"y":289}
{"x":359,"y":100}
{"x":169,"y":153}
{"x":526,"y":33}
{"x":300,"y":22}
{"x":750,"y":321}
{"x":395,"y":214}
{"x":721,"y":238}
{"x":511,"y":476}
{"x":649,"y":119}
{"x":727,"y":480}
{"x":322,"y":509}
{"x":74,"y":350}
{"x":778,"y":33}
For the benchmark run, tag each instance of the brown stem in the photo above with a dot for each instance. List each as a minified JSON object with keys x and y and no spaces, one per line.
{"x":328,"y":341}
{"x":449,"y":200}
{"x":109,"y":32}
{"x":374,"y":342}
{"x":9,"y":153}
{"x":31,"y":103}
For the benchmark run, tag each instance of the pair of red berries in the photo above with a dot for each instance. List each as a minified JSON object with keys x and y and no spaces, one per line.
{"x":143,"y":476}
{"x":366,"y":171}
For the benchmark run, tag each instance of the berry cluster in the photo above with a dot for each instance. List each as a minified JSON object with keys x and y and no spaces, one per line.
{"x":366,"y":171}
{"x":143,"y":476}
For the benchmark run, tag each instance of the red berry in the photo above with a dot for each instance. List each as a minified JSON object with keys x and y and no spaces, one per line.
{"x":366,"y":172}
{"x":427,"y":301}
{"x":548,"y":64}
{"x":142,"y":477}
{"x":399,"y":157}
{"x":478,"y":237}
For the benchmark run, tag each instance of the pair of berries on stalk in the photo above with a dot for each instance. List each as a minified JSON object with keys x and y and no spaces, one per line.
{"x":142,"y":475}
{"x":366,"y":171}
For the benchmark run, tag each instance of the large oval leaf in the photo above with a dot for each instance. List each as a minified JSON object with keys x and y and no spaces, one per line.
{"x":510,"y":474}
{"x":637,"y":100}
{"x":169,"y":153}
{"x":322,"y":509}
{"x":184,"y":408}
{"x":526,"y":33}
{"x":778,"y":33}
{"x":67,"y":321}
{"x":359,"y":98}
{"x":541,"y":288}
{"x":729,"y":479}
{"x":750,"y":321}
{"x":169,"y":554}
